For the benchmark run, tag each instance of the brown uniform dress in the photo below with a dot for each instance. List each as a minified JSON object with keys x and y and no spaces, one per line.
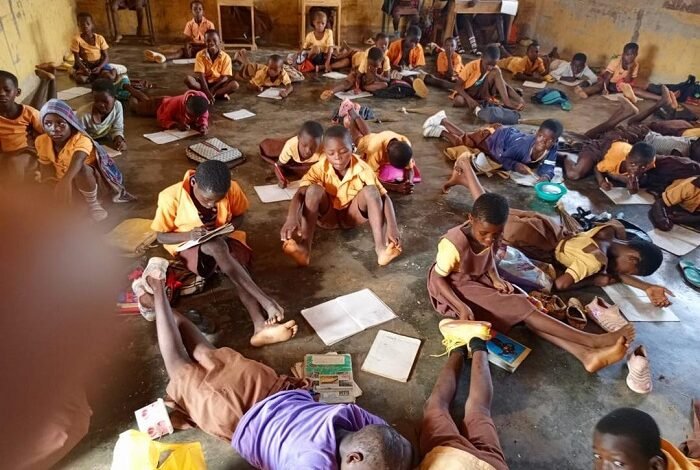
{"x":534,"y":234}
{"x":473,"y":286}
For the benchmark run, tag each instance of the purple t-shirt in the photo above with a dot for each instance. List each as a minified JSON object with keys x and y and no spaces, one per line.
{"x":289,"y":430}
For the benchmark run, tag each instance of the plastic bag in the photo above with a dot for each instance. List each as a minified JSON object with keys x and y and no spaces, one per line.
{"x":136,"y":451}
{"x":517,"y":269}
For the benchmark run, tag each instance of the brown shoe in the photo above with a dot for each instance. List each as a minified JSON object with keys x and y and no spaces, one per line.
{"x":575,"y":315}
{"x":554,"y":306}
{"x":659,"y":216}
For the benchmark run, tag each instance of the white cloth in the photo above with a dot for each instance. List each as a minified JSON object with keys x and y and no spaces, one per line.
{"x":564,"y":70}
{"x":112,"y":124}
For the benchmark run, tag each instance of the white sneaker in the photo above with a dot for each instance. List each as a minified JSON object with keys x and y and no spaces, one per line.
{"x":433,"y":131}
{"x":139,"y":287}
{"x":97,"y":212}
{"x":435,"y":119}
{"x":157,"y":269}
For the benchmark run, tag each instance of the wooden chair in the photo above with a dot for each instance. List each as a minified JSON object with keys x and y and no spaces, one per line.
{"x":150,"y":37}
{"x":239,"y":3}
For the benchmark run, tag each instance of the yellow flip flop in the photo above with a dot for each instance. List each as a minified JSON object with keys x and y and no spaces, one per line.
{"x":457,"y":333}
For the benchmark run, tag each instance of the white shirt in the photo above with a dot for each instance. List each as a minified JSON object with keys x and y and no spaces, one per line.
{"x":564,"y":70}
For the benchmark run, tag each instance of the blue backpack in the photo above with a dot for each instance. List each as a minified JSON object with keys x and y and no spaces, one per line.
{"x":551,"y":96}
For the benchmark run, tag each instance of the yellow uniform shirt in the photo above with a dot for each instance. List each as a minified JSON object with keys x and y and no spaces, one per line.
{"x":213,"y":70}
{"x":613,"y":158}
{"x":471,"y":73}
{"x":61,"y":162}
{"x":290,"y":152}
{"x":342,"y":192}
{"x":443,"y":65}
{"x":359,"y":62}
{"x":416,"y":56}
{"x":450,"y":458}
{"x":581,"y":255}
{"x":675,"y":459}
{"x":177,"y":213}
{"x":262,"y":79}
{"x":618,"y":73}
{"x":522,"y":65}
{"x":87,"y":51}
{"x":14,"y":133}
{"x":324,"y":43}
{"x":447,"y":258}
{"x":685,"y":193}
{"x":372,"y":147}
{"x":196,"y":31}
{"x":694,"y":132}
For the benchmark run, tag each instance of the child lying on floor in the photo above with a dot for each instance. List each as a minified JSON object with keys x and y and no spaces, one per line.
{"x":506,"y":146}
{"x":90,"y":53}
{"x":618,"y":75}
{"x":529,"y":67}
{"x":195,"y":29}
{"x":105,"y":116}
{"x":371,"y":75}
{"x":272,"y":75}
{"x":294,"y":157}
{"x":183,"y":112}
{"x":213,"y":72}
{"x":260,"y":406}
{"x":574,"y":71}
{"x":340,"y":191}
{"x":389,"y":154}
{"x":599,"y":257}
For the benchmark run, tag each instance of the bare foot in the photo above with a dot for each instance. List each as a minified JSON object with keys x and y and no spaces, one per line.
{"x":580,"y":93}
{"x":627,"y":332}
{"x":630,"y":108}
{"x":275,"y":313}
{"x":298,"y":252}
{"x":43,"y":74}
{"x":597,"y":359}
{"x":386,"y":255}
{"x":118,"y":38}
{"x":271,"y":334}
{"x":457,"y":178}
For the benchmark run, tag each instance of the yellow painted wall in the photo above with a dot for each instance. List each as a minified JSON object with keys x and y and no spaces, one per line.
{"x":32,"y":32}
{"x":359,"y":18}
{"x":669,"y":40}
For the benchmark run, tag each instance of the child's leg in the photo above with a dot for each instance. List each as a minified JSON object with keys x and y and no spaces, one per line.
{"x":270,"y":150}
{"x":341,"y":63}
{"x":480,"y":386}
{"x":17,"y":166}
{"x":86,"y":183}
{"x":496,"y":84}
{"x":665,"y":100}
{"x":624,"y":111}
{"x":542,"y":323}
{"x":141,"y":104}
{"x":463,"y":175}
{"x":223,"y":87}
{"x":587,"y":159}
{"x":439,"y":82}
{"x":357,"y":126}
{"x":46,"y":89}
{"x":446,"y":384}
{"x":593,"y":359}
{"x":369,"y":201}
{"x":594,"y":89}
{"x":80,"y":77}
{"x":192,"y":83}
{"x":316,"y":202}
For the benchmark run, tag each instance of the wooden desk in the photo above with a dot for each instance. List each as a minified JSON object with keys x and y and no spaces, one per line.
{"x":455,"y":7}
{"x":306,"y":4}
{"x":239,"y":3}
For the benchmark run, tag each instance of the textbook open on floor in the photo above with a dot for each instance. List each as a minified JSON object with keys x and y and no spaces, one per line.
{"x":347,"y":315}
{"x":223,"y":230}
{"x":505,"y":352}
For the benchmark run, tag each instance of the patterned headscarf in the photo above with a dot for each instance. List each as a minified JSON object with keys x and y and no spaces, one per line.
{"x":106,"y":166}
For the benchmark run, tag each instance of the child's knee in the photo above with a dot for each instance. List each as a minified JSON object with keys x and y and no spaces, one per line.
{"x":371,"y":194}
{"x":314,"y":194}
{"x":215,"y":247}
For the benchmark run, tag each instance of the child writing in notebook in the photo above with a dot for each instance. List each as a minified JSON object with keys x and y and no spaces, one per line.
{"x":272,"y":75}
{"x":204,"y":200}
{"x":90,"y":53}
{"x":213,"y":71}
{"x":617,"y":77}
{"x":294,"y":157}
{"x":340,"y":191}
{"x":371,"y":75}
{"x":104,"y":117}
{"x":407,"y":53}
{"x":183,"y":112}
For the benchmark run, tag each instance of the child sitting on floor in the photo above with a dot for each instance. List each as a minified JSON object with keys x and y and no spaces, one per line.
{"x":389,"y":154}
{"x":506,"y":146}
{"x":272,"y":75}
{"x":407,"y":53}
{"x":618,"y":75}
{"x":294,"y":157}
{"x":20,"y":125}
{"x":319,"y":46}
{"x":529,"y":67}
{"x":481,"y":82}
{"x":90,"y":52}
{"x":204,"y":200}
{"x":448,"y":66}
{"x":340,"y":191}
{"x":213,"y":73}
{"x":371,"y":75}
{"x":629,"y":438}
{"x":69,"y":157}
{"x":574,"y":71}
{"x":195,"y":29}
{"x":183,"y":112}
{"x":381,"y":42}
{"x":105,"y":116}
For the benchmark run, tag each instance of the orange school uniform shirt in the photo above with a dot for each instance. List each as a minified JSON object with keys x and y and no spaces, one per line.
{"x":177,"y":213}
{"x":213,"y":69}
{"x":262,"y":79}
{"x":61,"y":161}
{"x":443,"y":65}
{"x":87,"y":51}
{"x":196,"y":31}
{"x":359,"y":62}
{"x":324,"y":43}
{"x":290,"y":152}
{"x":522,"y":65}
{"x":14,"y":133}
{"x":471,"y":73}
{"x":613,"y":158}
{"x":416,"y":57}
{"x":618,"y":73}
{"x":342,"y":191}
{"x":373,"y":148}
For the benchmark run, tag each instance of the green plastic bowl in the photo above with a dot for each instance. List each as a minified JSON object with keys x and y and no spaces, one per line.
{"x":550,"y":192}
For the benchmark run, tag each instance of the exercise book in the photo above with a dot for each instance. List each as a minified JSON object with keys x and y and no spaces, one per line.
{"x":679,"y":240}
{"x":391,"y":356}
{"x":530,"y":84}
{"x":272,"y":93}
{"x":351,"y":95}
{"x":273,"y":193}
{"x":335,"y":75}
{"x":623,"y":196}
{"x":184,"y":61}
{"x":239,"y":114}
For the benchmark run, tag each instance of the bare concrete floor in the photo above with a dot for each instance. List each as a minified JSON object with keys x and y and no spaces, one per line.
{"x":544,"y":412}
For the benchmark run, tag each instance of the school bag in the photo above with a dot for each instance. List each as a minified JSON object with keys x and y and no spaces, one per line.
{"x":551,"y":96}
{"x":397,"y":89}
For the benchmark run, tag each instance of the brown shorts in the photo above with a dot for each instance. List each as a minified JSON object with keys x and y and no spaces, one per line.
{"x":205,"y":265}
{"x":479,"y":436}
{"x":597,"y":148}
{"x":478,"y":138}
{"x":146,"y":108}
{"x":347,"y":217}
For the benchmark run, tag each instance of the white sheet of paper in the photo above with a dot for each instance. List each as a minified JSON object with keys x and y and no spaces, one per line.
{"x":347,"y":315}
{"x":623,"y":196}
{"x":335,"y":75}
{"x":184,"y":61}
{"x":524,"y":180}
{"x":182,"y":134}
{"x":408,"y":73}
{"x":391,"y":356}
{"x":352,"y":95}
{"x":530,"y":84}
{"x":165,"y":137}
{"x":679,"y":240}
{"x":571,"y":84}
{"x":617,"y":96}
{"x":636,"y":306}
{"x":239,"y":114}
{"x":272,"y":93}
{"x":273,"y":193}
{"x":509,"y":7}
{"x":111,"y":152}
{"x":72,"y":93}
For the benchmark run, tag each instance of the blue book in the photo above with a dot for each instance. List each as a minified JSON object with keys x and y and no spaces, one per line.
{"x":505,"y":352}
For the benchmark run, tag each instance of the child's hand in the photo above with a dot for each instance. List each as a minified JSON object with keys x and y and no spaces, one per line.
{"x":605,"y":185}
{"x":120,"y":143}
{"x":204,"y":130}
{"x":181,"y":126}
{"x":657,"y":295}
{"x":605,"y":89}
{"x":633,"y":184}
{"x":503,"y":286}
{"x":357,"y":90}
{"x":393,"y":236}
{"x":602,"y":280}
{"x":198,"y":232}
{"x":290,"y":227}
{"x":464,"y":312}
{"x":522,"y":169}
{"x":284,"y":93}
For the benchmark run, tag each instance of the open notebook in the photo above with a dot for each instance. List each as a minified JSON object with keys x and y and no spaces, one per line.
{"x":347,"y":315}
{"x":392,"y":356}
{"x":223,"y":230}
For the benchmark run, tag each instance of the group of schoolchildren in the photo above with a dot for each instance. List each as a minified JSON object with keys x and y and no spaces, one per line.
{"x":345,"y":173}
